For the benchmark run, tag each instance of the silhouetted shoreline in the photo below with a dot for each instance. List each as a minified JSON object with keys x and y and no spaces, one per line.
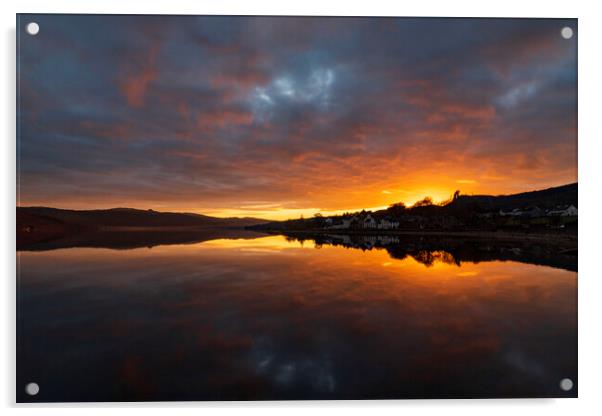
{"x":455,"y":248}
{"x":566,"y":239}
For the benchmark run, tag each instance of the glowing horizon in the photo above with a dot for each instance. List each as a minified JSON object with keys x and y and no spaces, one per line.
{"x":271,"y":213}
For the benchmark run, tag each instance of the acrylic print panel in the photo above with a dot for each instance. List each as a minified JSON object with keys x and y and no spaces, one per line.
{"x":271,"y":208}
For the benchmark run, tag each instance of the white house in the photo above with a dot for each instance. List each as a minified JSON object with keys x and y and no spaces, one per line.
{"x":569,"y":211}
{"x":386,"y":224}
{"x":369,"y":222}
{"x":514,"y":213}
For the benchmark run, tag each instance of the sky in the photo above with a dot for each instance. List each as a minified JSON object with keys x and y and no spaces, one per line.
{"x":277,"y":117}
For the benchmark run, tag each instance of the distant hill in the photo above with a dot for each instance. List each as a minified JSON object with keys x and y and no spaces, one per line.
{"x":129,"y":217}
{"x":35,"y":224}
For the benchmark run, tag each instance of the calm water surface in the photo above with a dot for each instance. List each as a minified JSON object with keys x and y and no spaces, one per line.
{"x":268,"y":318}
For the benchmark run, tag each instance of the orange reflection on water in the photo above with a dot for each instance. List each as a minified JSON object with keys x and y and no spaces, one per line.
{"x":275,"y":242}
{"x":253,"y":317}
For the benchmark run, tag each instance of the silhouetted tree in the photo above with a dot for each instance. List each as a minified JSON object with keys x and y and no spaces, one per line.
{"x":425,"y":202}
{"x":397,"y":209}
{"x":455,"y":196}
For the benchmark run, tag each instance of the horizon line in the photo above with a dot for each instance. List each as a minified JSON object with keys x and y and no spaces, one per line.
{"x":315,"y":210}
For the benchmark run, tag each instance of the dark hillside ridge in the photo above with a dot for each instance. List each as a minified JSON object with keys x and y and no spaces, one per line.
{"x":129,"y":217}
{"x":545,"y":198}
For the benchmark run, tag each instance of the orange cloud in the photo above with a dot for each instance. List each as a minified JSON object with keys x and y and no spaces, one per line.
{"x":136,"y":83}
{"x":210,"y":120}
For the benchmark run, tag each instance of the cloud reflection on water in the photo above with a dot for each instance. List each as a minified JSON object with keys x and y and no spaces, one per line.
{"x":220,"y":320}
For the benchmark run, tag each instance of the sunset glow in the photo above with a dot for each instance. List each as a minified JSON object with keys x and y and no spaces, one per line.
{"x":286,"y":117}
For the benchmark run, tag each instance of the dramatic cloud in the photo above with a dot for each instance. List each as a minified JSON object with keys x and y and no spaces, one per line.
{"x":279,"y":117}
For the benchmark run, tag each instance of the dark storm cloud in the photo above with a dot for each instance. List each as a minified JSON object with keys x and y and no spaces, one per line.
{"x":215,"y":113}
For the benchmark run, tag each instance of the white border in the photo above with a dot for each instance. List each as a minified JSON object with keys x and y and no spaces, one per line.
{"x":590,"y":178}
